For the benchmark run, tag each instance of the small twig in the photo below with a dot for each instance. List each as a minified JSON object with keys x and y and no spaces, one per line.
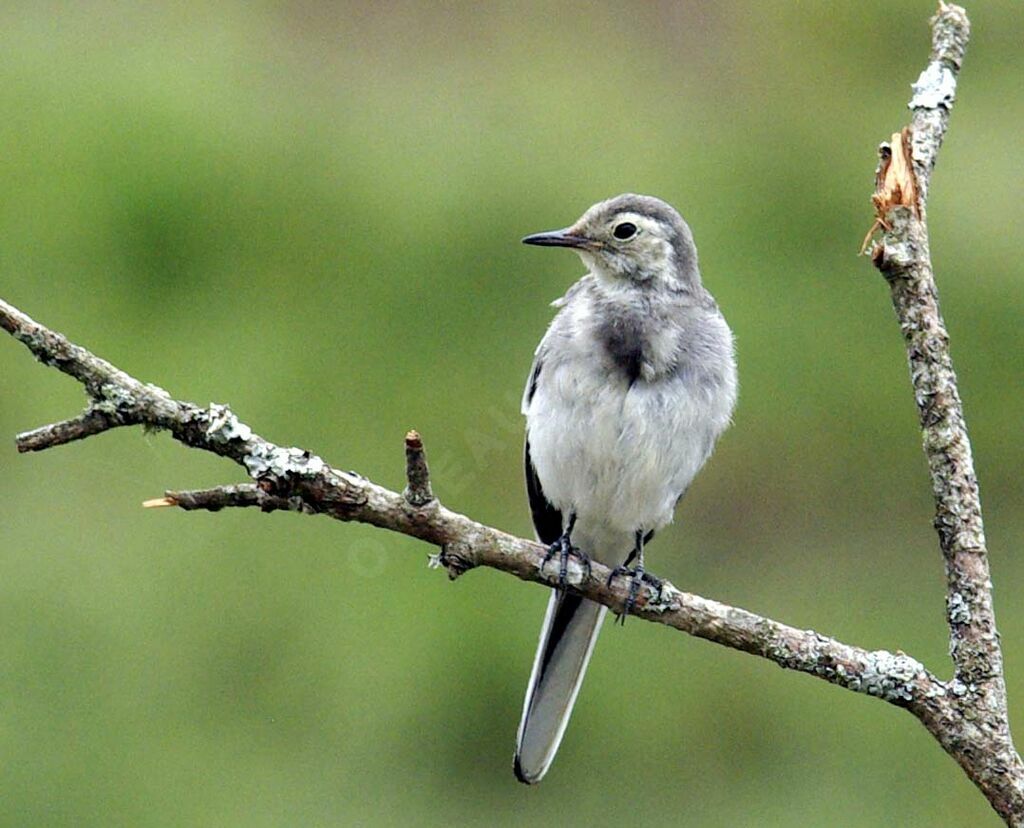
{"x":91,"y":421}
{"x":417,"y":492}
{"x":223,"y":497}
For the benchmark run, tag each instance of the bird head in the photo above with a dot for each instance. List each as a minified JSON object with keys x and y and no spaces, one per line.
{"x":631,"y":239}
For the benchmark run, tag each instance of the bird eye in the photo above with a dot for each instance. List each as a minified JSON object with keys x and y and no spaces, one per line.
{"x":624,"y":231}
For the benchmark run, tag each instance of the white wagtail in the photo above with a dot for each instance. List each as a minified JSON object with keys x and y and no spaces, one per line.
{"x":630,"y":388}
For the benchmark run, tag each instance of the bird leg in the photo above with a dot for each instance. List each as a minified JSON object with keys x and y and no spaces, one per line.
{"x":637,"y":576}
{"x":564,"y":549}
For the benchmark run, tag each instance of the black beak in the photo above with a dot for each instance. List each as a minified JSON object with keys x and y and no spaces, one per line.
{"x":558,"y":238}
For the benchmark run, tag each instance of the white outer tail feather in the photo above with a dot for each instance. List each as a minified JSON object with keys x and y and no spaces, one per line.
{"x":550,"y":697}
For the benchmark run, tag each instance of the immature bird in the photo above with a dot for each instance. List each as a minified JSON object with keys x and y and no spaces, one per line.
{"x":630,"y":388}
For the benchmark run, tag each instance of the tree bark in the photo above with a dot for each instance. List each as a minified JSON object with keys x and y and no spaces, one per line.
{"x":902,"y":256}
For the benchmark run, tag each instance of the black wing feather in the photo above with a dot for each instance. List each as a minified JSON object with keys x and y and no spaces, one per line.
{"x":531,"y":387}
{"x":547,"y":520}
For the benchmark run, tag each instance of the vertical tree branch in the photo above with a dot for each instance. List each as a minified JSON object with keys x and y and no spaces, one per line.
{"x":903,"y":257}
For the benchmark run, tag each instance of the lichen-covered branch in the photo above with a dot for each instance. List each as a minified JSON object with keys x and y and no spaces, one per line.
{"x":296,"y":480}
{"x":902,"y":255}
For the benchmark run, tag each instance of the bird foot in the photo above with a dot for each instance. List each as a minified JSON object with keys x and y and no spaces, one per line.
{"x":564,"y":549}
{"x":637,"y":577}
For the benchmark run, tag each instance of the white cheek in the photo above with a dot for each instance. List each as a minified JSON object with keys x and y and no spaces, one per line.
{"x":657,"y":252}
{"x":607,"y":266}
{"x":590,"y":261}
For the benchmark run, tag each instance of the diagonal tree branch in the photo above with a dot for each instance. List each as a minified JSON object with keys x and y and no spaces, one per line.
{"x":293,"y":479}
{"x":967,"y":715}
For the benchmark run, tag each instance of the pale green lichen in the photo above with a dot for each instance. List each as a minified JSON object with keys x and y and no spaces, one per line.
{"x":659,"y":599}
{"x":890,"y":676}
{"x":224,"y":426}
{"x":935,"y":87}
{"x":575,"y":572}
{"x":894,"y":677}
{"x":277,"y":461}
{"x":113,"y":400}
{"x":959,"y":611}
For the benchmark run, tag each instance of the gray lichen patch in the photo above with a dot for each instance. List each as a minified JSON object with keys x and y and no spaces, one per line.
{"x":890,"y":676}
{"x":958,"y":610}
{"x":660,"y":599}
{"x":47,"y":347}
{"x":895,"y":677}
{"x":575,"y":572}
{"x":224,"y":426}
{"x":959,"y":688}
{"x":114,"y":400}
{"x":280,"y":462}
{"x":935,"y":87}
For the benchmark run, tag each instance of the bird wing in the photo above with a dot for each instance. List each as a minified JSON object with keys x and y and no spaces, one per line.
{"x":567,"y":636}
{"x":547,"y":520}
{"x":531,"y":383}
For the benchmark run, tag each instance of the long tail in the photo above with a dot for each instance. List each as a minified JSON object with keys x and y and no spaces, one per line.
{"x":567,"y":639}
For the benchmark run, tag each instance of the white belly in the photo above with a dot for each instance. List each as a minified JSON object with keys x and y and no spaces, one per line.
{"x":619,"y":456}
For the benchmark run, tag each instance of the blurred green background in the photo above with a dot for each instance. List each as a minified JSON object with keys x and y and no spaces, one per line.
{"x":311,"y":211}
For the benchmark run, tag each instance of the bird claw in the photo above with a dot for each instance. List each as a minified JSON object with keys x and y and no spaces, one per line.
{"x":637,"y":577}
{"x":564,"y":549}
